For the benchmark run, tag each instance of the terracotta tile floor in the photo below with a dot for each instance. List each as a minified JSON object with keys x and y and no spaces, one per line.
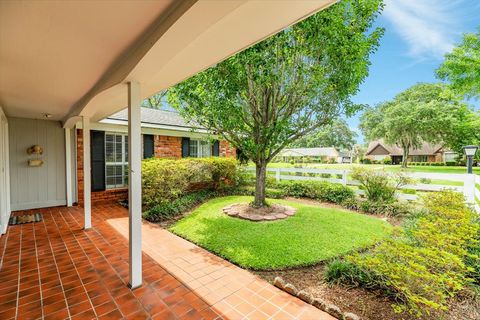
{"x":56,"y":270}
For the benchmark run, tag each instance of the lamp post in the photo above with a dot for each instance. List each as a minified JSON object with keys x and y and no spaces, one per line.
{"x":470,"y":152}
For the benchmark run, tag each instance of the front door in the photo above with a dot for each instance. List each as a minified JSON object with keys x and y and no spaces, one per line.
{"x":397,"y":159}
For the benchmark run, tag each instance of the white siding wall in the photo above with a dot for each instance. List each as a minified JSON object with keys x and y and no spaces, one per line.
{"x":36,"y":187}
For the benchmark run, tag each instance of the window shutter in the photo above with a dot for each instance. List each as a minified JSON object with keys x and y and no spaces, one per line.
{"x":97,"y":145}
{"x":148,"y":146}
{"x":216,"y":148}
{"x":185,"y":147}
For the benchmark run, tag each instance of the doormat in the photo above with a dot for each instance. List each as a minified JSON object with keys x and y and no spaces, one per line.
{"x":36,"y":217}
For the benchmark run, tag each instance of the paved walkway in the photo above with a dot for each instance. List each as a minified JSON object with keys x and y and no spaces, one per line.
{"x":232,"y":291}
{"x":56,"y":270}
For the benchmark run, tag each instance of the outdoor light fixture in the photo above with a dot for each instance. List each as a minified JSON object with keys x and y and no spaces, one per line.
{"x":470,"y":152}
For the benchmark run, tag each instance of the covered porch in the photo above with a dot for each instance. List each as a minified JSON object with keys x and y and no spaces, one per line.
{"x":67,"y":66}
{"x":55,"y":269}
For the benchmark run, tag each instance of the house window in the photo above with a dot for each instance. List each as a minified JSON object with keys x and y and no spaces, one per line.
{"x":419,"y":159}
{"x":200,"y":148}
{"x":116,"y":160}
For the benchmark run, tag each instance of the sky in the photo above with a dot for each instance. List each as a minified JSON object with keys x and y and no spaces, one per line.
{"x":417,"y":35}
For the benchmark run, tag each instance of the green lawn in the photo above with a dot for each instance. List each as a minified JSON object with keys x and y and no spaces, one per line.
{"x":312,"y":235}
{"x":394,"y":168}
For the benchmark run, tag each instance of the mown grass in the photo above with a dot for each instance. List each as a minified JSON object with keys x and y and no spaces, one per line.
{"x":312,"y":235}
{"x":346,"y":166}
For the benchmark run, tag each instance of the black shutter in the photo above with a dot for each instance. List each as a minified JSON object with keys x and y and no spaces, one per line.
{"x":97,"y":143}
{"x":185,"y":147}
{"x":216,"y":148}
{"x":148,"y":146}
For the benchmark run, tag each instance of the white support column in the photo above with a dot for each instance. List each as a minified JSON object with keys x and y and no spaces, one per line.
{"x":87,"y":189}
{"x":469,"y":188}
{"x":134,"y":184}
{"x":68,"y":166}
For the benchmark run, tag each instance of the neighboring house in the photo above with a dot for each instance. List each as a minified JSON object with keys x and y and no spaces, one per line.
{"x":165,"y":134}
{"x":310,"y":155}
{"x":379,"y":150}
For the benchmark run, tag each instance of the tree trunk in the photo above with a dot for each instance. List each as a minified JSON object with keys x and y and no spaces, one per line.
{"x":261,"y":177}
{"x":405,"y":158}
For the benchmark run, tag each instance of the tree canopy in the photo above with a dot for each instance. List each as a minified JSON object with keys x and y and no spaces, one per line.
{"x":337,"y":134}
{"x":277,"y":91}
{"x":462,"y":66}
{"x":155,"y":101}
{"x":426,"y":112}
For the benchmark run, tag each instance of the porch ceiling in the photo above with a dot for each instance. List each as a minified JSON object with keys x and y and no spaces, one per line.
{"x":74,"y":58}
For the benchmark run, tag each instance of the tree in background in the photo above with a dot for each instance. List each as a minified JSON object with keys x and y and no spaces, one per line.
{"x":462,"y":66}
{"x":337,"y":134}
{"x":156,"y":101}
{"x":283,"y":88}
{"x":461,"y":69}
{"x":425,"y":112}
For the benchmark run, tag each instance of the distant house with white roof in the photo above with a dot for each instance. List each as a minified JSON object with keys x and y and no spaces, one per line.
{"x":328,"y":154}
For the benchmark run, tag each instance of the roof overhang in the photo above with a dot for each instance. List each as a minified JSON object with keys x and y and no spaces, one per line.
{"x":72,"y":59}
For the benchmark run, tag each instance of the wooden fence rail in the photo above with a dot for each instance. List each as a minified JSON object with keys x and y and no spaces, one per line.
{"x":468,"y":181}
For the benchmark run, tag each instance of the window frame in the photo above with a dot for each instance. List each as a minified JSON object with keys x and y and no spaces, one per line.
{"x":200,"y":146}
{"x":123,"y":163}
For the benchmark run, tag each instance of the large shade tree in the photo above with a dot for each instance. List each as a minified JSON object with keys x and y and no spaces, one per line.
{"x":337,"y":134}
{"x":291,"y":84}
{"x":462,"y":66}
{"x":426,"y":112}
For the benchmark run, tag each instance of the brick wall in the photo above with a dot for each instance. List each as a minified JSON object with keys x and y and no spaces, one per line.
{"x":227,"y":150}
{"x":165,"y":147}
{"x":168,"y":147}
{"x":97,"y":196}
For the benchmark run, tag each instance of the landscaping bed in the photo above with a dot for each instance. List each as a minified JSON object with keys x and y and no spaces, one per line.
{"x":367,"y":304}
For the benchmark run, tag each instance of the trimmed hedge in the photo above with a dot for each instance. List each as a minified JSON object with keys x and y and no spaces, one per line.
{"x":164,"y":180}
{"x":318,"y":190}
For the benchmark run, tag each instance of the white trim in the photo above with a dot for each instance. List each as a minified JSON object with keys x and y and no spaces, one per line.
{"x":38,"y":205}
{"x":68,"y":166}
{"x":169,"y":131}
{"x":134,"y":185}
{"x":5,"y":209}
{"x":87,"y":183}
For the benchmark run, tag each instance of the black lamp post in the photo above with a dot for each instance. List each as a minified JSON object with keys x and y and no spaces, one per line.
{"x":470,"y":152}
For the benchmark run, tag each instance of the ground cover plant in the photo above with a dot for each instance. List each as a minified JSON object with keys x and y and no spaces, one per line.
{"x":312,"y":235}
{"x":428,"y":261}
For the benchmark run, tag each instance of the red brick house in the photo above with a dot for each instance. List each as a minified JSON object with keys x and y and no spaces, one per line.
{"x":379,"y":150}
{"x":165,"y":134}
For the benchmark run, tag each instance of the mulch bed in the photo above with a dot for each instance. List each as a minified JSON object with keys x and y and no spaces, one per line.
{"x":367,"y":304}
{"x":270,"y":213}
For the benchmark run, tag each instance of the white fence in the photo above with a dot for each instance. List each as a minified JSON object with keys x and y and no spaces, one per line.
{"x":464,"y":183}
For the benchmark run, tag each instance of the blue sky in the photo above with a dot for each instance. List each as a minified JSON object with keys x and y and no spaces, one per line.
{"x":417,"y":35}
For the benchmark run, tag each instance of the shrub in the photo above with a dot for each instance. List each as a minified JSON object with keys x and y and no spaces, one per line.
{"x":423,"y":265}
{"x":425,"y":180}
{"x":351,"y":204}
{"x":387,"y":160}
{"x":166,"y":210}
{"x":326,"y":175}
{"x":164,"y":180}
{"x":347,"y":273}
{"x":385,"y":208}
{"x":451,"y":163}
{"x":366,"y":161}
{"x":250,"y":191}
{"x":379,"y":185}
{"x":318,"y":190}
